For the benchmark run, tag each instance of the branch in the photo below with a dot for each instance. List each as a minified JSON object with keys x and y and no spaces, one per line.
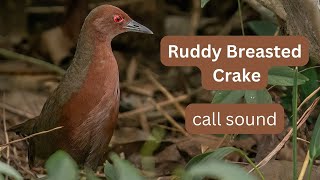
{"x":16,"y":56}
{"x":31,"y":136}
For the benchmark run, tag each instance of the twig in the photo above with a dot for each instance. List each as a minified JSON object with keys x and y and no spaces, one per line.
{"x":241,"y":18}
{"x":139,"y":91}
{"x":16,"y":56}
{"x":16,"y":111}
{"x":31,"y":136}
{"x":168,"y":128}
{"x":150,"y":108}
{"x":170,"y":119}
{"x":304,"y":166}
{"x":308,"y":98}
{"x":222,"y":141}
{"x":161,"y":104}
{"x":303,"y":140}
{"x":5,"y":129}
{"x":24,"y":169}
{"x":132,"y":70}
{"x":195,"y":17}
{"x":306,"y":69}
{"x":143,"y":119}
{"x":230,"y":23}
{"x":301,"y":121}
{"x":165,"y":91}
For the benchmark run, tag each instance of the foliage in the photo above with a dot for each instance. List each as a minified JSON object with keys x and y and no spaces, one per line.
{"x":311,"y":85}
{"x":61,"y":166}
{"x":122,"y":170}
{"x":314,"y":147}
{"x":281,"y":76}
{"x":284,"y":76}
{"x":262,"y":27}
{"x":204,"y":2}
{"x":7,"y":170}
{"x":204,"y":165}
{"x":228,"y":97}
{"x":217,"y":169}
{"x":258,"y":97}
{"x":218,"y":155}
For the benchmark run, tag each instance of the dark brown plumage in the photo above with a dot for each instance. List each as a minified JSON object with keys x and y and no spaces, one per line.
{"x":87,"y":100}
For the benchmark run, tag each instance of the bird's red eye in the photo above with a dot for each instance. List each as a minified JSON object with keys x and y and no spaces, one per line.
{"x":117,"y":19}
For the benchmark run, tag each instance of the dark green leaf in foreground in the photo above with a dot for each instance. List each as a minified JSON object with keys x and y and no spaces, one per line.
{"x":311,"y":85}
{"x":61,"y":166}
{"x":228,"y":97}
{"x":110,"y":171}
{"x":315,"y":141}
{"x":197,"y":159}
{"x":124,"y":169}
{"x":258,"y":97}
{"x":218,"y":155}
{"x":219,"y":170}
{"x":7,"y":170}
{"x":90,"y":174}
{"x":263,"y":28}
{"x":284,"y":76}
{"x":204,"y":2}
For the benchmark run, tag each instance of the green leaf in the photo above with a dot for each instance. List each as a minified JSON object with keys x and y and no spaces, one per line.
{"x":218,"y":170}
{"x":315,"y":141}
{"x":258,"y":97}
{"x":286,"y":102}
{"x":60,"y":165}
{"x":284,"y":76}
{"x":228,"y":97}
{"x":197,"y":159}
{"x":311,"y":85}
{"x":7,"y":170}
{"x":218,"y":154}
{"x":204,"y":2}
{"x":124,"y":169}
{"x":90,"y":175}
{"x":153,"y":144}
{"x":263,"y":28}
{"x":110,"y":171}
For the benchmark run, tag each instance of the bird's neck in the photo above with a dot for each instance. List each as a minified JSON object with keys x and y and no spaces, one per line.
{"x":93,"y":55}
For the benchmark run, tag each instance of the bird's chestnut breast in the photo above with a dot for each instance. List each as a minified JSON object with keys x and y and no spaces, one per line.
{"x":92,"y":111}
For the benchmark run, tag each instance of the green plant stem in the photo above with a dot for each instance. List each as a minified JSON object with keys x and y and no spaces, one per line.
{"x":241,"y":19}
{"x":294,"y":122}
{"x":16,"y":56}
{"x":252,"y":164}
{"x":309,"y":68}
{"x":310,"y":169}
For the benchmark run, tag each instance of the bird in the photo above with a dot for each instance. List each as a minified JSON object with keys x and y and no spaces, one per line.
{"x":86,"y":102}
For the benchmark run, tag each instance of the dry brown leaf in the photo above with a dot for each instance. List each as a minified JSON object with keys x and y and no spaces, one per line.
{"x":170,"y":153}
{"x":127,"y":135}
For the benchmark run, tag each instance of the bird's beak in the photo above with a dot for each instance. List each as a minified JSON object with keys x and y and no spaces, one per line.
{"x":137,"y":27}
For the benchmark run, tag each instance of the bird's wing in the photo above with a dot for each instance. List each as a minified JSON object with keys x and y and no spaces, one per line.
{"x":25,"y":128}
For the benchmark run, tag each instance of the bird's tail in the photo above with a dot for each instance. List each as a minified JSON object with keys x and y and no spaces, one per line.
{"x":25,"y":128}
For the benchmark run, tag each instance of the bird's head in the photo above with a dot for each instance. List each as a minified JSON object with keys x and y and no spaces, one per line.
{"x":109,"y":21}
